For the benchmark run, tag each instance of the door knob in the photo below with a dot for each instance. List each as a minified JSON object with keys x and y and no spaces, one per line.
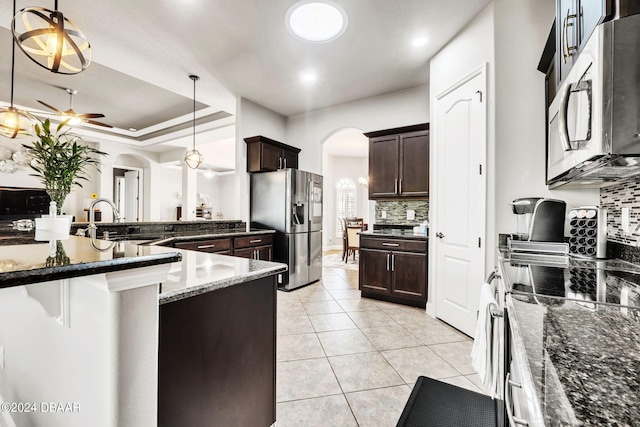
{"x":439,"y":235}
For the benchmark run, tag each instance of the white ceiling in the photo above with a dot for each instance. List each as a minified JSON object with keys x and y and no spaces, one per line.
{"x":144,"y":50}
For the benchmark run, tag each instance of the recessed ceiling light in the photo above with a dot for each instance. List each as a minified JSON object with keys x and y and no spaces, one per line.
{"x":308,"y":77}
{"x":316,"y":21}
{"x":133,"y":129}
{"x":420,"y":41}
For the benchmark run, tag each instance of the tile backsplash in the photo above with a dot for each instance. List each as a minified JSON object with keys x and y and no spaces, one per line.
{"x":397,"y":211}
{"x":614,"y":198}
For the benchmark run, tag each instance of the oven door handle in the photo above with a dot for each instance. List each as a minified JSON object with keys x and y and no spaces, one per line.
{"x":562,"y":119}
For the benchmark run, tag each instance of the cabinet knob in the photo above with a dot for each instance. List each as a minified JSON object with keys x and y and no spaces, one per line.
{"x":439,"y":235}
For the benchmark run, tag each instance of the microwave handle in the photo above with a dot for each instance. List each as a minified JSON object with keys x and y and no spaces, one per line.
{"x":562,"y":119}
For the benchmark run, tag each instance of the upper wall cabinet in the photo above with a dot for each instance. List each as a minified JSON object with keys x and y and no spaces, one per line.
{"x":575,"y":21}
{"x":399,"y":162}
{"x":265,"y":155}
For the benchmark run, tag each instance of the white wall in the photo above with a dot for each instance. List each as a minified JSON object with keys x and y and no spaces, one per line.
{"x":308,"y":131}
{"x":252,"y":120}
{"x":521,"y":30}
{"x":170,"y":183}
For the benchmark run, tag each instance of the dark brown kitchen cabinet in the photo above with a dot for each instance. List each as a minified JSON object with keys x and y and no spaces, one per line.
{"x":393,"y":269}
{"x":399,"y":162}
{"x":217,"y":357}
{"x":265,"y":154}
{"x":258,"y":247}
{"x":219,"y":246}
{"x":575,"y":22}
{"x":254,"y":246}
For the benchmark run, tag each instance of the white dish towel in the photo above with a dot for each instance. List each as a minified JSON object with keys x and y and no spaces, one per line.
{"x":484,"y":354}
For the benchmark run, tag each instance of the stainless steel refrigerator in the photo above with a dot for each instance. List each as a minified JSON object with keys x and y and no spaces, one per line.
{"x":290,"y":202}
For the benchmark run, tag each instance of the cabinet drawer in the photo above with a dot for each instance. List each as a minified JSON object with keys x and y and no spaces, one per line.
{"x":251,"y":241}
{"x":211,"y":245}
{"x":393,"y":244}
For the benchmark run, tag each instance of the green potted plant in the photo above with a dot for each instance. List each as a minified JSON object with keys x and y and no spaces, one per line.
{"x":60,"y":161}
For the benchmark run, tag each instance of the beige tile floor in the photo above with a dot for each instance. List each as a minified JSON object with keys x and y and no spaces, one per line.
{"x":343,"y":360}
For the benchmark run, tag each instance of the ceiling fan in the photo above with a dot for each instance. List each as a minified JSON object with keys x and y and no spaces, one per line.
{"x":76,"y":117}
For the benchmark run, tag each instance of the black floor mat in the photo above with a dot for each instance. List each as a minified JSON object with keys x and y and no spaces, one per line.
{"x":436,"y":404}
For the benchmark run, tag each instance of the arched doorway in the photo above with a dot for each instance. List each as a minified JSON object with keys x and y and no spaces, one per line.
{"x":345,"y":163}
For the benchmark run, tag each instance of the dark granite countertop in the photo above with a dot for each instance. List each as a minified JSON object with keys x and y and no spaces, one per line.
{"x":579,"y":340}
{"x":35,"y":262}
{"x":394,"y":233}
{"x":201,"y":272}
{"x":191,"y":273}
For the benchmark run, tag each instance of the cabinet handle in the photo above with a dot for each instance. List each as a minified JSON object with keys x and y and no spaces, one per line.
{"x":566,"y":49}
{"x":388,"y":259}
{"x":513,"y":421}
{"x":395,"y":186}
{"x":439,"y":235}
{"x":255,"y":241}
{"x":390,"y":244}
{"x":400,"y":187}
{"x":256,"y":255}
{"x":285,"y":162}
{"x":393,"y":262}
{"x":206,"y":246}
{"x":279,"y":162}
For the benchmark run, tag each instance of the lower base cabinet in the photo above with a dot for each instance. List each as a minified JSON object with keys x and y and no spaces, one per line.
{"x":393,"y":270}
{"x":217,"y":358}
{"x":257,"y":246}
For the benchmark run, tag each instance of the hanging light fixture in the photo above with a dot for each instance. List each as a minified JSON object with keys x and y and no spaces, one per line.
{"x":13,"y":122}
{"x":193,"y":158}
{"x":51,"y":40}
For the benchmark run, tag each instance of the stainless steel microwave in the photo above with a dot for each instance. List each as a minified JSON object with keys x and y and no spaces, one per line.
{"x":594,"y":120}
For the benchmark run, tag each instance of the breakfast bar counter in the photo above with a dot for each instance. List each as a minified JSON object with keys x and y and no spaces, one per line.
{"x":116,"y":330}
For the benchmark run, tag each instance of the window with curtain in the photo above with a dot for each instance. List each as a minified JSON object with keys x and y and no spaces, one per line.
{"x":346,"y":201}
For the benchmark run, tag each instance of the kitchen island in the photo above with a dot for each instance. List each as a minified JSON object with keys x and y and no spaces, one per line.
{"x":393,"y":266}
{"x":572,"y":339}
{"x":91,"y":326}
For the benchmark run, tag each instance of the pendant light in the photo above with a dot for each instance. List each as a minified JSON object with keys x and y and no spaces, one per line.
{"x":193,"y":158}
{"x":51,"y":40}
{"x":13,"y":122}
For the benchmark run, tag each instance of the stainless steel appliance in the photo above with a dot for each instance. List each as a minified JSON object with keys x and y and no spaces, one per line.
{"x":540,"y":226}
{"x":290,"y":202}
{"x":523,"y":209}
{"x":594,"y":125}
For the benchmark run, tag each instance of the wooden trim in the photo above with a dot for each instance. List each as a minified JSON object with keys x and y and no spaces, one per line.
{"x":404,"y":129}
{"x":260,"y":138}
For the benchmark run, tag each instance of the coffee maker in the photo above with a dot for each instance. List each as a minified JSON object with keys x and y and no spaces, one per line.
{"x":539,"y":219}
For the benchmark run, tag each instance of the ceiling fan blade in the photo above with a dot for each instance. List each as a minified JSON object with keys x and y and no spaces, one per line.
{"x":49,"y":106}
{"x":89,"y":115}
{"x":92,"y":122}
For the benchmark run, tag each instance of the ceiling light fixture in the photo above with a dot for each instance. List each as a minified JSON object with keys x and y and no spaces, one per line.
{"x":13,"y":122}
{"x":51,"y":40}
{"x":420,"y":41}
{"x":316,"y":21}
{"x":194,"y":158}
{"x":308,"y":77}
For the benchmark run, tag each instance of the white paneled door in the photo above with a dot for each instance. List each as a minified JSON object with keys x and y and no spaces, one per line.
{"x":458,"y":230}
{"x":132,"y":196}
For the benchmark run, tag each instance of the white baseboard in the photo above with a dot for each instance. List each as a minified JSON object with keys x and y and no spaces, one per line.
{"x":5,"y":417}
{"x":333,"y":248}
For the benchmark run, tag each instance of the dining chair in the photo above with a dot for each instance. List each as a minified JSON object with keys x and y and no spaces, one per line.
{"x":344,"y":238}
{"x":353,"y":240}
